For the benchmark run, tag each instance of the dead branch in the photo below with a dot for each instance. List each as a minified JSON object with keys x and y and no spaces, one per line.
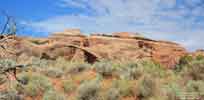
{"x":8,"y":31}
{"x":9,"y":26}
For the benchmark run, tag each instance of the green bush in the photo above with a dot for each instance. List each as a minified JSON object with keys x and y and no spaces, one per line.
{"x":40,"y":63}
{"x":199,"y":57}
{"x":88,"y":91}
{"x":113,"y":94}
{"x":53,"y":95}
{"x":61,"y":63}
{"x":6,"y":63}
{"x":146,"y":87}
{"x":76,"y":67}
{"x":68,"y":66}
{"x":173,"y":91}
{"x":54,"y":72}
{"x":31,"y":90}
{"x":130,"y":71}
{"x":69,"y":85}
{"x":153,"y":68}
{"x":124,"y":87}
{"x":35,"y":83}
{"x":10,"y":95}
{"x":185,"y":60}
{"x":183,"y":63}
{"x":195,"y":87}
{"x":195,"y":70}
{"x":104,"y":68}
{"x":2,"y":79}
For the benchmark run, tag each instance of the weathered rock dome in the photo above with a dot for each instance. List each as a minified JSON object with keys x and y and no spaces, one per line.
{"x":72,"y":32}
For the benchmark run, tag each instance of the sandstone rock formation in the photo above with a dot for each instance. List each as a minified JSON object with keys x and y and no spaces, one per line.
{"x":199,"y":52}
{"x":116,"y":48}
{"x":72,"y":45}
{"x":125,"y":35}
{"x":69,"y":32}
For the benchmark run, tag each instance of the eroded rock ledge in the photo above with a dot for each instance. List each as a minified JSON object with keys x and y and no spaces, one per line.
{"x":72,"y":45}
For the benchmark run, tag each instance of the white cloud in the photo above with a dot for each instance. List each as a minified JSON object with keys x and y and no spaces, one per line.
{"x":161,"y":19}
{"x":72,"y":3}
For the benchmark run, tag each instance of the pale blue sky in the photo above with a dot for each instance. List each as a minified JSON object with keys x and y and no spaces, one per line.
{"x":181,"y":21}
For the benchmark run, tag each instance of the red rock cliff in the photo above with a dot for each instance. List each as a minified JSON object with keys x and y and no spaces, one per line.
{"x":71,"y":44}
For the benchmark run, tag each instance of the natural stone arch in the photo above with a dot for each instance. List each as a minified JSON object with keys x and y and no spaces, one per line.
{"x":88,"y":55}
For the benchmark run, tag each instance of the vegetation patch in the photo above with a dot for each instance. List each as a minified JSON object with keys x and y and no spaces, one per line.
{"x":113,"y":94}
{"x":146,"y":87}
{"x":54,"y":72}
{"x":104,"y":80}
{"x":124,"y":86}
{"x":88,"y":91}
{"x":53,"y":95}
{"x":36,"y":83}
{"x":69,"y":86}
{"x":104,"y":68}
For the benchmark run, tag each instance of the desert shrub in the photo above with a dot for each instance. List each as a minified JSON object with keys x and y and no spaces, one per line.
{"x":68,"y":85}
{"x":31,"y":90}
{"x":199,"y":57}
{"x":10,"y":95}
{"x":173,"y":91}
{"x":35,"y":83}
{"x":159,"y":98}
{"x":88,"y":91}
{"x":53,"y":95}
{"x":131,"y":64}
{"x":195,"y":70}
{"x":104,"y":68}
{"x":113,"y":94}
{"x":153,"y":68}
{"x":24,"y":77}
{"x":76,"y":67}
{"x":195,"y":87}
{"x":124,"y":87}
{"x":183,"y":62}
{"x":62,"y":63}
{"x":40,"y":63}
{"x":6,"y":63}
{"x":68,"y":65}
{"x":54,"y":72}
{"x":2,"y":79}
{"x":116,"y":65}
{"x":130,"y":71}
{"x":146,"y":87}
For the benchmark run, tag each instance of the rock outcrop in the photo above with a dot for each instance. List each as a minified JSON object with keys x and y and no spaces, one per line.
{"x":199,"y":52}
{"x":72,"y":45}
{"x":132,"y":48}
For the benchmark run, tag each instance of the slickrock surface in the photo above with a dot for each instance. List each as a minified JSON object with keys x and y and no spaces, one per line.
{"x":72,"y":45}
